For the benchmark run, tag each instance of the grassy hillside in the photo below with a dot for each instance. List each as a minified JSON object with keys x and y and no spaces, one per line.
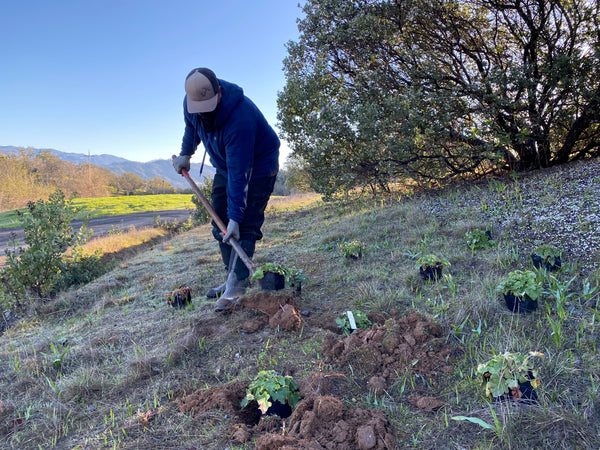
{"x":110,"y":365}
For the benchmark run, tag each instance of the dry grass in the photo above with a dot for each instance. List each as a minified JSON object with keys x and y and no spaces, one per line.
{"x":116,"y":242}
{"x":128,"y":357}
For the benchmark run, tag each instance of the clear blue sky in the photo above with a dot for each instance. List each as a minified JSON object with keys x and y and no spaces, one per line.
{"x":107,"y":76}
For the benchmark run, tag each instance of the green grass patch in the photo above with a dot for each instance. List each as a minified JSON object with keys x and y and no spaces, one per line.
{"x":114,"y":206}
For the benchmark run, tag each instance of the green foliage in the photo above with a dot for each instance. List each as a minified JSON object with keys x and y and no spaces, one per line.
{"x":520,"y":283}
{"x":295,"y":276}
{"x":292,"y":275}
{"x":38,"y":269}
{"x":548,"y":252}
{"x":57,"y":355}
{"x":268,"y":267}
{"x":376,"y":92}
{"x":361,"y":319}
{"x":478,"y":240}
{"x":504,"y":372}
{"x":353,"y":249}
{"x":431,"y":261}
{"x":200,"y":215}
{"x":267,"y":385}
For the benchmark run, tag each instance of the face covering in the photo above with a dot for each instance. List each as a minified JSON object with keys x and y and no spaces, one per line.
{"x":208,"y":120}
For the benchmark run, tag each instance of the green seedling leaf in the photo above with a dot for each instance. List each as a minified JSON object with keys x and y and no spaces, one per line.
{"x":475,"y":420}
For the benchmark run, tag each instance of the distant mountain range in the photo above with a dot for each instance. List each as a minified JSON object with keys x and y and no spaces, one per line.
{"x":161,"y":168}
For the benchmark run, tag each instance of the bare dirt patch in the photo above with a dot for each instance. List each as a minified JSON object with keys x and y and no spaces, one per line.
{"x":325,"y":422}
{"x":412,"y":342}
{"x":318,"y":421}
{"x":281,"y":310}
{"x":321,"y":420}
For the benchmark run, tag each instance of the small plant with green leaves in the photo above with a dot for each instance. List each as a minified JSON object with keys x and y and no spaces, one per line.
{"x":269,"y":267}
{"x":353,"y":249}
{"x":431,"y":260}
{"x":295,"y":277}
{"x":268,"y":387}
{"x":548,"y":252}
{"x":547,"y":256}
{"x":57,"y":355}
{"x":521,"y":283}
{"x":360,"y":320}
{"x":430,"y":266}
{"x":180,"y":297}
{"x":503,"y":373}
{"x":479,"y":240}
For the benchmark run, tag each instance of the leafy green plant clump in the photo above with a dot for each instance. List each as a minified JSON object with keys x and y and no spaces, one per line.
{"x":479,"y":240}
{"x":353,"y":249}
{"x":548,"y":252}
{"x":431,"y":261}
{"x":521,"y":283}
{"x":360,"y":318}
{"x":267,"y":386}
{"x":291,"y":274}
{"x":503,"y":373}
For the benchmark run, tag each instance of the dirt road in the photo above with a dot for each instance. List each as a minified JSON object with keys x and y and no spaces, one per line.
{"x":103,"y":225}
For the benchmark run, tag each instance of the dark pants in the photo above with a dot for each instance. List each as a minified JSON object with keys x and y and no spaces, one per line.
{"x":259,"y":192}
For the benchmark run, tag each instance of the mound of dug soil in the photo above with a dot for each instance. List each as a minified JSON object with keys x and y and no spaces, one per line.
{"x":324,"y":422}
{"x":318,"y":421}
{"x":281,"y":310}
{"x":226,"y":398}
{"x":411,"y":342}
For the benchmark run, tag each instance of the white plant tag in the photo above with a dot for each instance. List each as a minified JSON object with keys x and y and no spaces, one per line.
{"x":351,"y":320}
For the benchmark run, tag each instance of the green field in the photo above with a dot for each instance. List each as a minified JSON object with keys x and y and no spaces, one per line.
{"x":114,"y":206}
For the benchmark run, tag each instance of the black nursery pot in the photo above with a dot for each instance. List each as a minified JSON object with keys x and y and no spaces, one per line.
{"x":539,"y":262}
{"x":181,"y":299}
{"x":528,"y":393}
{"x":272,"y":281}
{"x":520,"y":304}
{"x":431,"y":273}
{"x":277,"y":408}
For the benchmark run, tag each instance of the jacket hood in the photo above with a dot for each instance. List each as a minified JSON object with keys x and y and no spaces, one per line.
{"x":231,"y":96}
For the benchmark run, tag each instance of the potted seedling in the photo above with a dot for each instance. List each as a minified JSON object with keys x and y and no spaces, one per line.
{"x":479,"y":239}
{"x":180,"y":297}
{"x":510,"y":376}
{"x":547,"y":256}
{"x":295,"y":278}
{"x":345,"y":322}
{"x":430,"y":267}
{"x":271,"y":276}
{"x":353,"y":249}
{"x":521,"y":289}
{"x":275,"y":394}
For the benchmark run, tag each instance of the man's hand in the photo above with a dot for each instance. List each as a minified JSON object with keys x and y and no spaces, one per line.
{"x":181,"y":162}
{"x":233,"y":231}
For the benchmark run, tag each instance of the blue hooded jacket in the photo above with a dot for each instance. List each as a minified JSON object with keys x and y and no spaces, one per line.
{"x":241,"y":144}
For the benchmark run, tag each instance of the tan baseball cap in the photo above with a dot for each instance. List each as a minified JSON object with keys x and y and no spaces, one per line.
{"x":202,"y":89}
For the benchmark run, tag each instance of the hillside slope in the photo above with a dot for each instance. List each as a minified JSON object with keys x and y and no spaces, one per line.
{"x":136,"y":373}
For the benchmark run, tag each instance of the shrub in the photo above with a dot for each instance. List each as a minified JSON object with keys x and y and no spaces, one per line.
{"x":200,"y":215}
{"x":40,"y":268}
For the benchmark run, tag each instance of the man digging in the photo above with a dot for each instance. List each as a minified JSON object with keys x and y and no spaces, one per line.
{"x":244,"y":149}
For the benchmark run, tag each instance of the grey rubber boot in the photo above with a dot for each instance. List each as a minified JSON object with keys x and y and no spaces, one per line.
{"x":234,"y":289}
{"x":226,"y":250}
{"x":215,"y":292}
{"x":238,"y":276}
